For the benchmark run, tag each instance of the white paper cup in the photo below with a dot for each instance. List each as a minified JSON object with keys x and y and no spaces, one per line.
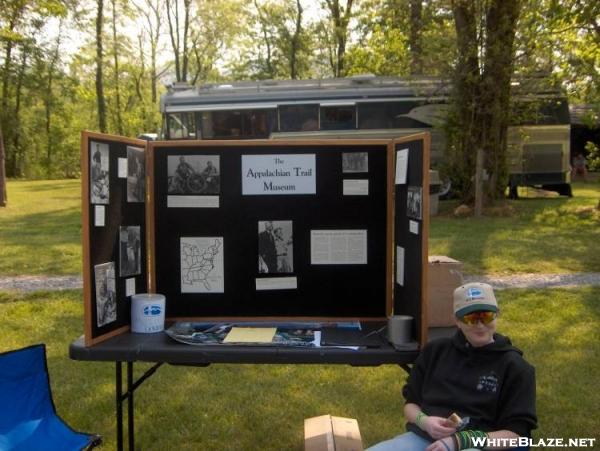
{"x":147,"y":313}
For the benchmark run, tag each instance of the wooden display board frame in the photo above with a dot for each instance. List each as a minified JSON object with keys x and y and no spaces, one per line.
{"x":116,"y":213}
{"x":393,"y":300}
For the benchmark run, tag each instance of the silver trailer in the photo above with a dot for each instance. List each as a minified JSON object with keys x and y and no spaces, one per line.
{"x":372,"y":107}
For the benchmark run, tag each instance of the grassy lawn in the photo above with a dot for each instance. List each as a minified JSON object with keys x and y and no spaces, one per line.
{"x":262,"y":407}
{"x":532,"y":234}
{"x":40,"y":229}
{"x":40,"y":232}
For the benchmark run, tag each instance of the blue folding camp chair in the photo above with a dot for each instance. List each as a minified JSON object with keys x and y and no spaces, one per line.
{"x":28,"y":419}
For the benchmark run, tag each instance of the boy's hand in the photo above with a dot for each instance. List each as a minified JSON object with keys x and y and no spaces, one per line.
{"x":438,"y":427}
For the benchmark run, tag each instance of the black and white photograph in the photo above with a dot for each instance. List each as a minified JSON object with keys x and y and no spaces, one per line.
{"x":194,"y":174}
{"x":99,"y":167}
{"x":130,"y":251}
{"x":414,"y":202}
{"x":136,"y":174}
{"x":275,"y":247}
{"x":355,"y":162}
{"x":106,"y":294}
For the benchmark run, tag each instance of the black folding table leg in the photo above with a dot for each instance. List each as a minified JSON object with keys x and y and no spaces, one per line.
{"x":119,"y":390}
{"x":130,"y":425}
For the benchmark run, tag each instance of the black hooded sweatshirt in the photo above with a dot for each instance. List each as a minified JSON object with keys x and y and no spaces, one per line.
{"x":492,"y":384}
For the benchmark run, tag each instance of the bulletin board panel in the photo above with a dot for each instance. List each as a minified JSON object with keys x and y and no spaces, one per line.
{"x":113,"y":231}
{"x":318,"y":291}
{"x":411,"y":231}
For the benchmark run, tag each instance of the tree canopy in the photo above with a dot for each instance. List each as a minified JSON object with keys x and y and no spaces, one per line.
{"x":69,"y":65}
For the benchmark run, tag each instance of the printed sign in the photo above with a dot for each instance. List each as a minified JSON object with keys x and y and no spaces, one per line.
{"x":278,"y":174}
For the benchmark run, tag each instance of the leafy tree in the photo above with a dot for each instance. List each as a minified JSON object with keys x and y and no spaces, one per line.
{"x":333,"y":33}
{"x":20,"y":22}
{"x":485,"y":34}
{"x":100,"y":66}
{"x":274,"y":43}
{"x":385,"y":29}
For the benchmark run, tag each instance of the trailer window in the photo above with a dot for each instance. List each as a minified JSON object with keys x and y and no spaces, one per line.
{"x":413,"y":114}
{"x":298,"y":118}
{"x":181,"y":126}
{"x":237,"y":124}
{"x":338,"y":117}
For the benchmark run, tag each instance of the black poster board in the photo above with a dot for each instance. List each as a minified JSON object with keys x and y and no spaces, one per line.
{"x":411,"y":231}
{"x":112,"y":255}
{"x":366,"y":202}
{"x":322,"y":290}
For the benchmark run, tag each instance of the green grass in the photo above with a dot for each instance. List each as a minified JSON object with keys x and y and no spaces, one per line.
{"x":535,"y":234}
{"x":262,"y":407}
{"x":40,"y":229}
{"x":40,"y":232}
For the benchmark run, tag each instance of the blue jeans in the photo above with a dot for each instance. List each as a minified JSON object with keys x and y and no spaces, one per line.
{"x":408,"y":441}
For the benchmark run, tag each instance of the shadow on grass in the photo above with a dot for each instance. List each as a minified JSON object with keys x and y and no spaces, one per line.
{"x":530,"y":235}
{"x":39,"y":186}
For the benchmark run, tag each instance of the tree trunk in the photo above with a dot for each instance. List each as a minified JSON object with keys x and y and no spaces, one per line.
{"x":295,"y":45}
{"x":340,"y":19}
{"x":3,"y":194}
{"x":152,"y":15}
{"x":482,"y":92}
{"x":154,"y":37}
{"x":48,"y":99}
{"x":5,"y":114}
{"x":116,"y":64}
{"x":501,"y":23}
{"x":99,"y":64}
{"x":7,"y":59}
{"x":6,"y":76}
{"x":415,"y":41}
{"x":186,"y":29}
{"x":173,"y":21}
{"x":465,"y":139}
{"x":267,"y":38}
{"x":19,"y":152}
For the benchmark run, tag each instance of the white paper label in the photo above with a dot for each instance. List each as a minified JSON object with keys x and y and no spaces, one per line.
{"x":193,"y":201}
{"x":99,"y":214}
{"x":413,"y":226}
{"x":122,"y":168}
{"x":130,"y":286}
{"x":338,"y":247}
{"x":401,"y":166}
{"x":400,"y":265}
{"x":277,"y":283}
{"x":278,"y":174}
{"x":356,"y":187}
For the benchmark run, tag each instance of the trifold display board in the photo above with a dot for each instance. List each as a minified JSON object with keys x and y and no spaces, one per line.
{"x":323,"y":230}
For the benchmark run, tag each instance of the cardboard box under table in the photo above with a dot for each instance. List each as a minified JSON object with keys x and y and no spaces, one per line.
{"x":350,"y":232}
{"x":329,"y":433}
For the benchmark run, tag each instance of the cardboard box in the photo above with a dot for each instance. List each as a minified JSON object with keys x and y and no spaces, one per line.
{"x":444,"y":276}
{"x":328,"y":433}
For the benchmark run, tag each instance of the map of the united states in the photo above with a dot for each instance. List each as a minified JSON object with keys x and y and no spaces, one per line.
{"x":202,"y":265}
